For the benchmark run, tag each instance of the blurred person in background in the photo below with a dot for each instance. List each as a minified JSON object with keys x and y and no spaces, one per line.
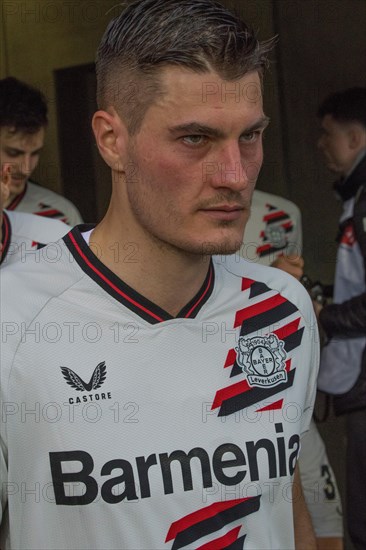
{"x":23,"y":122}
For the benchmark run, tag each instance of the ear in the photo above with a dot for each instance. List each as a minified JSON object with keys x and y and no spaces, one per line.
{"x":357,"y":137}
{"x":111,"y":138}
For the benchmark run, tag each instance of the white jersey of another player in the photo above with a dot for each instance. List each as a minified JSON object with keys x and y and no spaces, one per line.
{"x":274,"y":228}
{"x":41,"y":201}
{"x":23,"y":234}
{"x":145,"y":430}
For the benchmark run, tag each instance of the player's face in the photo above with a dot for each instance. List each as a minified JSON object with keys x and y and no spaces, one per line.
{"x":22,"y":151}
{"x":195,"y":161}
{"x":335,"y":144}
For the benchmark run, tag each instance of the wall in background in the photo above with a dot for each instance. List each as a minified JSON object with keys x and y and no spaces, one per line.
{"x":40,"y":36}
{"x":321,"y":48}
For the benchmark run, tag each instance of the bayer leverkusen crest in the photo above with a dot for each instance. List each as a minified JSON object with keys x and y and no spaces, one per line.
{"x":262,"y":360}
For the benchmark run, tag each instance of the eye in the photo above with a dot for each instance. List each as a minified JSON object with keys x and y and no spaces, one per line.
{"x":194,"y":140}
{"x":251,"y":137}
{"x":12,"y":154}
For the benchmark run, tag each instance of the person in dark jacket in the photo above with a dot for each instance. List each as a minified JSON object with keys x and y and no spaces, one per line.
{"x":343,"y":362}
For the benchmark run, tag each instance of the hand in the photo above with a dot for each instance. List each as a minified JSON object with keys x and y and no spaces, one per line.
{"x":317,"y":307}
{"x":5,"y":179}
{"x":294,"y":265}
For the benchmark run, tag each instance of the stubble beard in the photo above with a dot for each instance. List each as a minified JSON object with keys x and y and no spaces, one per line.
{"x":149,"y":223}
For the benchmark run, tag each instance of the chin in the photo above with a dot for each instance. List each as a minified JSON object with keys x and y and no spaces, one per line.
{"x":17,"y":187}
{"x":332,"y":167}
{"x":226,"y":248}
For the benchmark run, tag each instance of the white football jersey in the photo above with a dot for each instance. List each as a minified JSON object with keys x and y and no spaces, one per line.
{"x":23,"y":234}
{"x":41,"y":201}
{"x":274,"y":228}
{"x":127,"y":428}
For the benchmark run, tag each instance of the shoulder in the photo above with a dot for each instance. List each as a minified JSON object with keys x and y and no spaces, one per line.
{"x":27,"y":286}
{"x":236,"y":268}
{"x":27,"y":289}
{"x":40,"y":194}
{"x":36,"y":228}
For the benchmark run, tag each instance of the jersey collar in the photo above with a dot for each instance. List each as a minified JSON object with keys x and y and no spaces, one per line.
{"x":122,"y":292}
{"x":6,"y":236}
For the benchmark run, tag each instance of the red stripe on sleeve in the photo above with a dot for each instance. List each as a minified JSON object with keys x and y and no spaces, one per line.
{"x":48,"y":213}
{"x":230,"y":391}
{"x":292,"y":327}
{"x":230,"y":359}
{"x":246,"y":283}
{"x":275,"y":215}
{"x":257,"y":309}
{"x":263,"y":248}
{"x":277,"y":405}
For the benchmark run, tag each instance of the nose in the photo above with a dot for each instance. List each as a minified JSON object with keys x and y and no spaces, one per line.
{"x":233,"y":171}
{"x":26,"y":166}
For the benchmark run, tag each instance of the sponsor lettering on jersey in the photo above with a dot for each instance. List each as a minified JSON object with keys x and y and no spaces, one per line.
{"x":133,"y":482}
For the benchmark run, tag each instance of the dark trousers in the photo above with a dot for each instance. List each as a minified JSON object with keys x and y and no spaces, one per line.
{"x":356,"y":478}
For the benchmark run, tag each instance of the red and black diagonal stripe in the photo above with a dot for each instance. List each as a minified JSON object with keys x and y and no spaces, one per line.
{"x":230,"y":541}
{"x":210,"y":519}
{"x":255,"y":319}
{"x":274,"y":216}
{"x":51,"y":213}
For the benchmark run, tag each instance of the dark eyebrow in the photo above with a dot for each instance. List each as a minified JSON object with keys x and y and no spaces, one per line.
{"x":20,"y":151}
{"x":193,"y":128}
{"x":261,"y":124}
{"x":12,"y":150}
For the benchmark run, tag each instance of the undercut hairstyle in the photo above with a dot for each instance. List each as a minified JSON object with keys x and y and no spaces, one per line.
{"x":199,"y":35}
{"x":346,"y":106}
{"x":22,"y":107}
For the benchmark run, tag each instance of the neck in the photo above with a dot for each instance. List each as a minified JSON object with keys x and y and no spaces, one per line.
{"x":166,"y":276}
{"x":356,"y":161}
{"x":348,"y":187}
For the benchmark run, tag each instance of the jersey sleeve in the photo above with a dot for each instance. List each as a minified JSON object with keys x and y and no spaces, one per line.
{"x":9,"y":326}
{"x":296,"y":234}
{"x":312,"y":351}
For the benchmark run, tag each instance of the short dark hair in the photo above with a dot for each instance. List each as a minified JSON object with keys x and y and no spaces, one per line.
{"x":200,"y":35}
{"x":346,"y":106}
{"x":22,"y":107}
